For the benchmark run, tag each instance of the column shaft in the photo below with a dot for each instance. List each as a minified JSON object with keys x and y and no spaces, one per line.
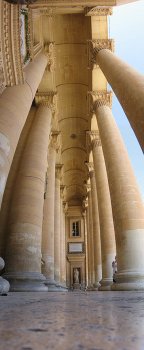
{"x":15,"y":103}
{"x":128,"y":210}
{"x":107,"y":234}
{"x":23,"y":252}
{"x":96,"y":231}
{"x":128,"y":86}
{"x":57,"y":227}
{"x":48,"y":221}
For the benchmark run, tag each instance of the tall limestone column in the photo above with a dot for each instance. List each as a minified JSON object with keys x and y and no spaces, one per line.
{"x":89,"y":279}
{"x":107,"y":234}
{"x":90,"y":241}
{"x":125,"y":81}
{"x":62,"y":240}
{"x":48,"y":216}
{"x":57,"y":225}
{"x":23,"y":251}
{"x":127,"y":205}
{"x":15,"y":103}
{"x":96,"y":227}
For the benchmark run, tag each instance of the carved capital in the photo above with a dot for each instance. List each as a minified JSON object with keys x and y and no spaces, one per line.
{"x":48,"y":11}
{"x":54,"y":140}
{"x":87,"y":187}
{"x":90,"y":167}
{"x":49,"y":51}
{"x":100,"y":98}
{"x":98,"y":11}
{"x":65,"y":207}
{"x":48,"y":99}
{"x":93,"y":139}
{"x":62,"y":189}
{"x":58,"y":170}
{"x":94,"y":46}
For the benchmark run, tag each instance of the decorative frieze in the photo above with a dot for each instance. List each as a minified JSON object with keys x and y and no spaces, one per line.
{"x":10,"y":46}
{"x":98,"y":11}
{"x":94,"y":46}
{"x":48,"y":99}
{"x":49,"y":50}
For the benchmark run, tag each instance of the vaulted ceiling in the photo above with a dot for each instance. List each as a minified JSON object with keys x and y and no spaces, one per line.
{"x":72,"y":80}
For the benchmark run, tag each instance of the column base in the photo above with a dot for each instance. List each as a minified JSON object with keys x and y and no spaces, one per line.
{"x":128,"y":281}
{"x":4,"y":286}
{"x":26,"y":282}
{"x":105,"y":284}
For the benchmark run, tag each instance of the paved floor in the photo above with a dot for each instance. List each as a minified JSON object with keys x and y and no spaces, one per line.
{"x":72,"y":321}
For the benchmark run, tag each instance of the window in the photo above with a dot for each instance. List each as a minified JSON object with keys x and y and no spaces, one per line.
{"x":75,"y":229}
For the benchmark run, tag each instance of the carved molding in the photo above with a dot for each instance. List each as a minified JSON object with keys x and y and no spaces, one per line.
{"x":98,"y":11}
{"x":49,"y":50}
{"x":10,"y":45}
{"x":100,"y":98}
{"x":48,"y":99}
{"x":94,"y":46}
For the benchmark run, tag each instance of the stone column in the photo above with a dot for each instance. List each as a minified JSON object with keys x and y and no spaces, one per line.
{"x":15,"y":103}
{"x":96,"y":227}
{"x":127,"y":206}
{"x":23,"y":251}
{"x":127,"y":84}
{"x":89,"y":279}
{"x":85,"y":204}
{"x":107,"y":234}
{"x":62,"y":241}
{"x":90,"y":241}
{"x":57,"y":225}
{"x":48,"y":216}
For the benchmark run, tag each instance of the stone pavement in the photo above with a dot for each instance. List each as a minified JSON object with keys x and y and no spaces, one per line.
{"x":72,"y":321}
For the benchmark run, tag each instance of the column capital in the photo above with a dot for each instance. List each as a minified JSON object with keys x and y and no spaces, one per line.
{"x":98,"y":11}
{"x":48,"y":11}
{"x":62,"y":189}
{"x":101,"y":98}
{"x":88,"y":187}
{"x":90,"y":167}
{"x":65,"y":206}
{"x":94,"y":46}
{"x":48,"y":99}
{"x":93,"y":139}
{"x":58,"y":169}
{"x":54,"y":139}
{"x":49,"y":51}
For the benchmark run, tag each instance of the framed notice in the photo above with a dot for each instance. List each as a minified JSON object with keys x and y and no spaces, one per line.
{"x":75,"y":247}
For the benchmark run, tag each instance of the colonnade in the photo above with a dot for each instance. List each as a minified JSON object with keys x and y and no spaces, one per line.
{"x":35,"y":254}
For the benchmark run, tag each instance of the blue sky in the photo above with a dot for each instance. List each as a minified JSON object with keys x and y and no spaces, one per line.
{"x":126,"y":26}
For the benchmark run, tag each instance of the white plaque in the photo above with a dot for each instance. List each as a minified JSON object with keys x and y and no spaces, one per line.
{"x":75,"y":247}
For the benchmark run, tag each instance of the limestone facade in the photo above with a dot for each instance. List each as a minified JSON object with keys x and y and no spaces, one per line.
{"x":68,"y":194}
